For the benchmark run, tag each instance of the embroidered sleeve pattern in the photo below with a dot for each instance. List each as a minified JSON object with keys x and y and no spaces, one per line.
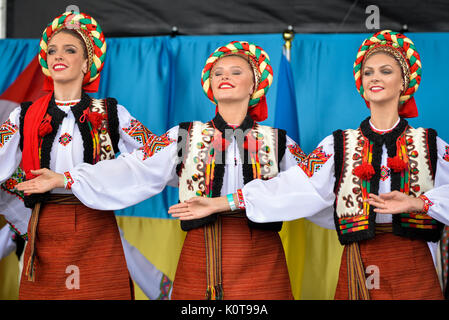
{"x":241,"y":199}
{"x":155,"y":144}
{"x":309,"y":163}
{"x":7,"y":130}
{"x":68,"y":180}
{"x":138,"y":132}
{"x":9,"y":185}
{"x":427,"y":203}
{"x":446,"y":154}
{"x":165,"y":288}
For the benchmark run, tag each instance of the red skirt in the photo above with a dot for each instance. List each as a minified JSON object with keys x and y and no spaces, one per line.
{"x":79,"y":256}
{"x":399,"y":269}
{"x":253,"y":264}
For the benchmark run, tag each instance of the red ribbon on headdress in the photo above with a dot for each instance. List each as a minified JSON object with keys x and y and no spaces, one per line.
{"x":259,"y":112}
{"x":89,"y":87}
{"x":407,"y":110}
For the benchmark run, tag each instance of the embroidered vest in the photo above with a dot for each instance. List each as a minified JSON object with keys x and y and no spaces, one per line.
{"x":355,"y":219}
{"x":201,"y":167}
{"x":100,"y":138}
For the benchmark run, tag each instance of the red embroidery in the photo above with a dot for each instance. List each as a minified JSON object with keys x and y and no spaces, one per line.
{"x":69,"y":180}
{"x":7,"y":130}
{"x":311,"y":163}
{"x":65,"y":139}
{"x":155,"y":144}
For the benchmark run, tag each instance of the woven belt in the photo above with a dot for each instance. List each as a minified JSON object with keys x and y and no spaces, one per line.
{"x":356,"y":272}
{"x":384,"y":228}
{"x":62,"y":199}
{"x":234,"y":214}
{"x":212,"y":238}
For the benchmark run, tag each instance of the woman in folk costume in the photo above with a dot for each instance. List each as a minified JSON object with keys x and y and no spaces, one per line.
{"x":383,"y":154}
{"x":60,"y":130}
{"x":224,"y":256}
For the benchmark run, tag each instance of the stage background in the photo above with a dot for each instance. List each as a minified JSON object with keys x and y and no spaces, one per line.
{"x":158,"y":80}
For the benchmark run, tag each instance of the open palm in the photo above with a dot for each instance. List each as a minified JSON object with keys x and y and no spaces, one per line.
{"x":46,"y":180}
{"x":395,"y":202}
{"x":194,"y":208}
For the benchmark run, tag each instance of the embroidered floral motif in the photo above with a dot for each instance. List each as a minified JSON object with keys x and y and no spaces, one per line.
{"x":311,"y":163}
{"x":7,"y":130}
{"x":155,"y":144}
{"x":138,"y":132}
{"x":10,"y":185}
{"x":384,"y":173}
{"x":65,"y":139}
{"x":446,"y":154}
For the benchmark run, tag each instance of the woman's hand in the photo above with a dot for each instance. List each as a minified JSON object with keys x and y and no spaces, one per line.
{"x":198,"y":207}
{"x":46,"y":180}
{"x":395,"y":202}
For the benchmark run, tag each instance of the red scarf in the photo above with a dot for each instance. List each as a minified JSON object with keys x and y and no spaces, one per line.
{"x":33,"y":119}
{"x":32,"y":123}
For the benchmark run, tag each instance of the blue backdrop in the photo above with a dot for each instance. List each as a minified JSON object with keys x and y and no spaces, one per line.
{"x":158,"y":80}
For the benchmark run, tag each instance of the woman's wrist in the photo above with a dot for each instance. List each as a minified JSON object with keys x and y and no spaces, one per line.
{"x":424,"y":203}
{"x":65,"y":181}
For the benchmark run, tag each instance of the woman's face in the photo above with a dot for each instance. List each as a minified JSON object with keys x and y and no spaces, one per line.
{"x":232,"y":79}
{"x":382,"y":78}
{"x":66,"y":58}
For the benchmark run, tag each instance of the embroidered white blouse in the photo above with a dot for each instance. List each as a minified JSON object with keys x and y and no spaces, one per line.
{"x":293,"y":194}
{"x":66,"y":153}
{"x":132,"y":178}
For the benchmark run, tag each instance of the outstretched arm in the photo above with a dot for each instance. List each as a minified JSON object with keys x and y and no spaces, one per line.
{"x":301,"y":191}
{"x":118,"y":183}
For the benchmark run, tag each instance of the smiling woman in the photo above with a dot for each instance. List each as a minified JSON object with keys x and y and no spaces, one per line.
{"x":338,"y":181}
{"x":223,"y":256}
{"x":64,"y":128}
{"x":67,"y":61}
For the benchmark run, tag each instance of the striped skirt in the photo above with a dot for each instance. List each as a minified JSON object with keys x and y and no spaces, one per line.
{"x":79,"y":256}
{"x":253,"y":264}
{"x":397,"y":268}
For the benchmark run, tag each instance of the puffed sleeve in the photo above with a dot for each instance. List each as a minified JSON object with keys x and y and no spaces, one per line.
{"x":7,"y":244}
{"x":10,"y":153}
{"x":129,"y":179}
{"x":302,"y":191}
{"x":439,"y":195}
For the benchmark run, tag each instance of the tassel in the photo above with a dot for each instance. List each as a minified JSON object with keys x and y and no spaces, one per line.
{"x":45,"y":127}
{"x":365,"y":171}
{"x":251,"y":144}
{"x":214,"y":292}
{"x":219,"y":292}
{"x":96,"y":119}
{"x":396,"y":164}
{"x":30,"y":269}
